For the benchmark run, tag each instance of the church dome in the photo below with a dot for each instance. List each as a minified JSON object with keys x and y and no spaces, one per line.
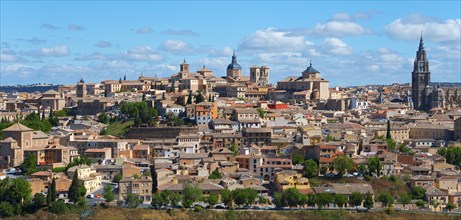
{"x":234,"y":65}
{"x":310,"y":69}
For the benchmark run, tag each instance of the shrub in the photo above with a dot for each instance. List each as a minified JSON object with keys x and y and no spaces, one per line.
{"x":393,"y":178}
{"x":58,"y":207}
{"x":6,"y":209}
{"x":390,"y":210}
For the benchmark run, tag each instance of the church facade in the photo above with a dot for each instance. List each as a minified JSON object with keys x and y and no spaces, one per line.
{"x":424,"y":96}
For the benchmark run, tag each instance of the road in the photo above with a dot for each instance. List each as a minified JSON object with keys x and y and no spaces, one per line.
{"x":100,"y":191}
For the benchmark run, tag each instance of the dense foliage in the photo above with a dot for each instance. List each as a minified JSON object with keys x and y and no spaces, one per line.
{"x":452,"y":155}
{"x":343,"y":164}
{"x":215,"y":174}
{"x":140,"y":112}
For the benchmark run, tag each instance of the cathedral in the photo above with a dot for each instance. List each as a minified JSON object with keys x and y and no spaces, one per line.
{"x":423,"y":95}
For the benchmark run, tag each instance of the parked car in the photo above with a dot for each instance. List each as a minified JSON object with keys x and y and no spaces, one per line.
{"x":90,"y":196}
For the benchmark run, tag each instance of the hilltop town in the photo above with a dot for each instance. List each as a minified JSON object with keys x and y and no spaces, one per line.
{"x":205,"y":141}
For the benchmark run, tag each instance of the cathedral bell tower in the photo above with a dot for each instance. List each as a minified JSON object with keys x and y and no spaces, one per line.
{"x":420,"y":79}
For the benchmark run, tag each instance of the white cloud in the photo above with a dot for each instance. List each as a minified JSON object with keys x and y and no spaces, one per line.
{"x":49,"y":27}
{"x":144,"y":30}
{"x":103,"y":44}
{"x":180,"y":32}
{"x":272,"y":40}
{"x":142,"y":53}
{"x":95,"y":56}
{"x":337,"y":46}
{"x":165,"y":69}
{"x":7,"y":55}
{"x":177,"y":47}
{"x":339,"y":29}
{"x":74,"y":27}
{"x":226,"y":51}
{"x":58,"y":51}
{"x":341,"y":17}
{"x":409,"y":29}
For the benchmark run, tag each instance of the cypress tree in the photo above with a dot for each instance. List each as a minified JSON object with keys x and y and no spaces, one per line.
{"x":43,"y":114}
{"x":388,"y":134}
{"x":51,"y":196}
{"x":209,"y":98}
{"x":189,"y":99}
{"x":74,"y":194}
{"x":51,"y":113}
{"x":53,"y":192}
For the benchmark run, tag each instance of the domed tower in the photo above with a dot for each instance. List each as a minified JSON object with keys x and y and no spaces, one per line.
{"x":234,"y":69}
{"x":311,"y":72}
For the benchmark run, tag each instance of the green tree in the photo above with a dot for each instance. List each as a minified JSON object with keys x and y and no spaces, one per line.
{"x":297,"y":158}
{"x":234,"y":149}
{"x":39,"y":200}
{"x":404,"y":149}
{"x":375,"y":165}
{"x":452,"y":154}
{"x":329,"y":138}
{"x":404,"y":199}
{"x":245,"y":196}
{"x":310,"y":168}
{"x":131,"y":201}
{"x":29,"y":165}
{"x":199,"y":97}
{"x":450,"y":206}
{"x":189,"y":98}
{"x":340,"y":200}
{"x":191,"y":194}
{"x":108,"y":195}
{"x":278,"y":200}
{"x":356,"y":199}
{"x":386,"y":198}
{"x":343,"y":164}
{"x":388,"y":132}
{"x":261,"y":112}
{"x":6,"y":209}
{"x":20,"y":192}
{"x":391,"y":144}
{"x":226,"y":197}
{"x":58,"y":207}
{"x":74,"y":193}
{"x":418,"y":192}
{"x":213,"y":199}
{"x":362,"y":169}
{"x":51,"y":195}
{"x":103,"y":118}
{"x":158,"y":200}
{"x":117,"y":178}
{"x":60,"y":113}
{"x":140,"y":112}
{"x":292,"y":197}
{"x":368,"y":203}
{"x":420,"y":204}
{"x":215,"y":174}
{"x":323,"y":199}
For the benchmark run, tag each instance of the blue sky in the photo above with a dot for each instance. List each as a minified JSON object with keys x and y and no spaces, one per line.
{"x":350,"y":43}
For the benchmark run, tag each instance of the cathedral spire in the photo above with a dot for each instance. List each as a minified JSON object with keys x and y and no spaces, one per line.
{"x":421,"y":44}
{"x":234,"y":58}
